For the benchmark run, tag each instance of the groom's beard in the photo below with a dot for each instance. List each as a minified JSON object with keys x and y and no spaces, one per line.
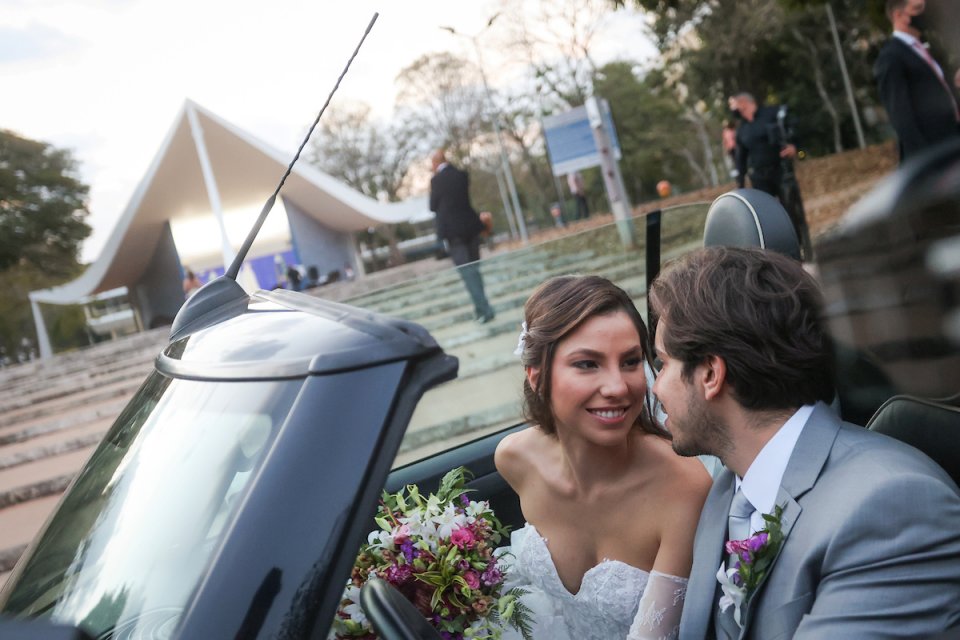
{"x":699,"y":432}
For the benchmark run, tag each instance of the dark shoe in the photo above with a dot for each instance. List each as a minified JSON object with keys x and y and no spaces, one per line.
{"x":487,"y":317}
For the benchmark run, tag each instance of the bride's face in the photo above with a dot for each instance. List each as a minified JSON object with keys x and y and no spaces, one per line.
{"x":598,"y":385}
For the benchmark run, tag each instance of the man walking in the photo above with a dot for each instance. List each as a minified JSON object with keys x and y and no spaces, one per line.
{"x":913,"y":87}
{"x":834,"y":531}
{"x":459,"y":226}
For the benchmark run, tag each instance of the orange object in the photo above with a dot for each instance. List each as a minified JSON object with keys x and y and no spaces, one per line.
{"x":663,"y":188}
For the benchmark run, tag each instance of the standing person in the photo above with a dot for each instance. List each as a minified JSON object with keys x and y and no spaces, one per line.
{"x":862,"y":531}
{"x":578,"y":191}
{"x":610,"y":510}
{"x":765,"y":151}
{"x":728,"y":139}
{"x":913,"y":87}
{"x":191,"y":283}
{"x":459,"y":226}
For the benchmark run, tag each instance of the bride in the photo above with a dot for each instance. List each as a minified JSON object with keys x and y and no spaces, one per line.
{"x":611,"y":510}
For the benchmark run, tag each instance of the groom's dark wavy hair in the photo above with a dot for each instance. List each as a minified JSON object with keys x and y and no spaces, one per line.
{"x":554,"y":310}
{"x":760,"y":312}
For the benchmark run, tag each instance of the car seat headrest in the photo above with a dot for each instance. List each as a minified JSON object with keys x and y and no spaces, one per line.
{"x":750,"y":218}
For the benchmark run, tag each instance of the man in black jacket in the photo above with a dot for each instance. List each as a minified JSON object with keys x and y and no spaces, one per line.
{"x":459,"y":226}
{"x":765,"y":151}
{"x":914,"y":89}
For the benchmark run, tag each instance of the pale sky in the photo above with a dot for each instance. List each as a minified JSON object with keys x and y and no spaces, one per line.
{"x":106,"y":78}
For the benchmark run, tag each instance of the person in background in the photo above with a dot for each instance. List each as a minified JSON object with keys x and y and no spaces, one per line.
{"x":459,"y":226}
{"x":577,"y":190}
{"x":765,"y":152}
{"x":191,"y":283}
{"x":913,"y":87}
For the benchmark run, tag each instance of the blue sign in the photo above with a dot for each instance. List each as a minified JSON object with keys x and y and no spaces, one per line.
{"x":570,"y":139}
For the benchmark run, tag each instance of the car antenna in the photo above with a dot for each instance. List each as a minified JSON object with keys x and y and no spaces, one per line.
{"x":225,"y":289}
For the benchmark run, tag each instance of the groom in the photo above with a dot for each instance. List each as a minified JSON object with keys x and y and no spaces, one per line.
{"x":867,"y":542}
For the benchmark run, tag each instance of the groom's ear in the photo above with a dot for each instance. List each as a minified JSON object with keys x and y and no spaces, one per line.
{"x":713,"y":375}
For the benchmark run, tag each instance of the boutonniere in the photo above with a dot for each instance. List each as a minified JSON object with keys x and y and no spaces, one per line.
{"x":754,"y":555}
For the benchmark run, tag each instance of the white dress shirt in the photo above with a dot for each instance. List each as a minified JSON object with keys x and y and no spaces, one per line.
{"x":762,"y":481}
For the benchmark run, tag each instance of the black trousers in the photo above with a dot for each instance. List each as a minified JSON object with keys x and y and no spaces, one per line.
{"x":789,"y":197}
{"x":466,"y":255}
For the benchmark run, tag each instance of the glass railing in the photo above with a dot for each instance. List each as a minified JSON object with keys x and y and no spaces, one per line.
{"x":486,"y":396}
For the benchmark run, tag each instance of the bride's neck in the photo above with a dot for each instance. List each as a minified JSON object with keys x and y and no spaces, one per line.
{"x":590,"y":466}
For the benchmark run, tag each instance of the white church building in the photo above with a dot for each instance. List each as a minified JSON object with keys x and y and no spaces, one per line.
{"x":193,"y":208}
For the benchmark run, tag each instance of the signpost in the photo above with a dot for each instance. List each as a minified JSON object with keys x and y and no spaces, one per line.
{"x":585,"y":137}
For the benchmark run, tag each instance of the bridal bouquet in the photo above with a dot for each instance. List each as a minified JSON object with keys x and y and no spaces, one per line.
{"x":438,"y":551}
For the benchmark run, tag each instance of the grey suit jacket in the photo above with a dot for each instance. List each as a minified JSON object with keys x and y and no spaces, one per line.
{"x":871,"y":549}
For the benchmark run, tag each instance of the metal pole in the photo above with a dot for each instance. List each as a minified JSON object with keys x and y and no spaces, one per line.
{"x":507,"y":210}
{"x":846,"y":77}
{"x":507,"y":172}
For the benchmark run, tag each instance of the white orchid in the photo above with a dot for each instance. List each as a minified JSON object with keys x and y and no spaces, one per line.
{"x":732,"y":594}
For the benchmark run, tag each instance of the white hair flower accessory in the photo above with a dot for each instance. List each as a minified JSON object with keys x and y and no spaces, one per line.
{"x":522,"y":341}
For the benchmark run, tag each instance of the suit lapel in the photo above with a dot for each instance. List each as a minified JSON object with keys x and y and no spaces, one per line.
{"x":806,"y":463}
{"x":707,"y":552}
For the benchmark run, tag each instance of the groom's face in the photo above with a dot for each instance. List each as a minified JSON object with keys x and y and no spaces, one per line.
{"x":690,"y":421}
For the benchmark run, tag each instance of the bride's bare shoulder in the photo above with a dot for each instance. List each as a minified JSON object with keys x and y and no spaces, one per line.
{"x":518,"y":452}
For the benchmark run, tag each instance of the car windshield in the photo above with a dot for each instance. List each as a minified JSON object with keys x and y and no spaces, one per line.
{"x":160,"y":492}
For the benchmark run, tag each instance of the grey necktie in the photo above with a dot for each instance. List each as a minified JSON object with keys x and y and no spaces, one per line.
{"x":738,"y":522}
{"x":738,"y":528}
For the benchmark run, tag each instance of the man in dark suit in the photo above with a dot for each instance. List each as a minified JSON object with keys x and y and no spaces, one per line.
{"x":459,"y":226}
{"x":914,"y":88}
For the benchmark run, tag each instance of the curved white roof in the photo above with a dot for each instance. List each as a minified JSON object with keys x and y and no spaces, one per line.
{"x":246,"y":169}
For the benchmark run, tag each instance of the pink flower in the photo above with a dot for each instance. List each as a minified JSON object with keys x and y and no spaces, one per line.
{"x":463,"y":538}
{"x":473,"y":580}
{"x":747,"y":547}
{"x":401,"y":534}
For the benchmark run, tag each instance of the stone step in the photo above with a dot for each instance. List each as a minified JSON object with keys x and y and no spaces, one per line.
{"x":19,"y":524}
{"x":20,"y":480}
{"x":53,"y":444}
{"x":124,"y":388}
{"x":494,"y":270}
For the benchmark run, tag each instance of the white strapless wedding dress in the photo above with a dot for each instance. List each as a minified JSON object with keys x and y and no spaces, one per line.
{"x":615,"y":600}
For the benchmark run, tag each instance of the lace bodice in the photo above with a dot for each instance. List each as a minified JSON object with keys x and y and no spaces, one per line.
{"x":607,"y":603}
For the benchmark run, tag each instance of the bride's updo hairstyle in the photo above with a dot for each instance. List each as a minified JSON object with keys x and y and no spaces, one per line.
{"x":553,"y":311}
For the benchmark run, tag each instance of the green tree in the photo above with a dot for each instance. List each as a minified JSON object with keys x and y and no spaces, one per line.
{"x":782,"y":51}
{"x":42,"y":211}
{"x":42,"y":206}
{"x":656,"y":138}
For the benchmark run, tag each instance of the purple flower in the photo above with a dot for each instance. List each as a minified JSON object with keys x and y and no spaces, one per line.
{"x":398,"y":574}
{"x":464,"y":500}
{"x":408,"y":551}
{"x":492,"y":576}
{"x":757,"y":542}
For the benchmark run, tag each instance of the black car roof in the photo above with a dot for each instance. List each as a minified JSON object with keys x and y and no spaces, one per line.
{"x":282,"y":334}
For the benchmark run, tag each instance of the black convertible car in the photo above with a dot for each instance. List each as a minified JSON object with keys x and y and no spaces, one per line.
{"x":229,"y":498}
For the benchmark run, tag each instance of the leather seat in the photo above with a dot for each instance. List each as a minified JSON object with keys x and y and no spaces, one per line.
{"x":750,"y":218}
{"x":931,"y":426}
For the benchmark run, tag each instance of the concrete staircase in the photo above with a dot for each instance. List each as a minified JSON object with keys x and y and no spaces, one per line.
{"x":53,"y":413}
